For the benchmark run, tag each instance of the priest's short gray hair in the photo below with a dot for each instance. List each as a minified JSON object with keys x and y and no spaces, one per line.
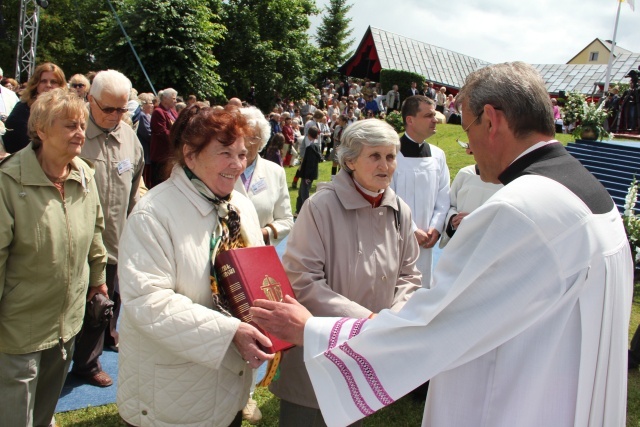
{"x":516,"y":89}
{"x":370,"y":132}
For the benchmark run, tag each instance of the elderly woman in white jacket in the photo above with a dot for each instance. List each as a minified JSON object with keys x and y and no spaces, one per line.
{"x":182,"y":360}
{"x":264,"y":182}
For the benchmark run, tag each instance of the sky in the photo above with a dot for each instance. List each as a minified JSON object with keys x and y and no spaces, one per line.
{"x":534,"y":31}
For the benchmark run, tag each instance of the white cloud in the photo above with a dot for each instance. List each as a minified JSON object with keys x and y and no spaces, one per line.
{"x":538,"y":31}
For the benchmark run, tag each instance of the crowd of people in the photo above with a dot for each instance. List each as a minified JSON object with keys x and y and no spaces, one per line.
{"x":114,"y":202}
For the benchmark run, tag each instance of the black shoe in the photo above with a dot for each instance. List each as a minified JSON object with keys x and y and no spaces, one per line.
{"x":294,"y":186}
{"x":632,"y":363}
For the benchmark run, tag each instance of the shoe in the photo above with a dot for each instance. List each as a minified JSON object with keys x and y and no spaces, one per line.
{"x":251,"y":412}
{"x":294,"y":186}
{"x":101,"y":379}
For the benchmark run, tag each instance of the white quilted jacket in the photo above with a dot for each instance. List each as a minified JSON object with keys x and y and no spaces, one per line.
{"x":178,"y":365}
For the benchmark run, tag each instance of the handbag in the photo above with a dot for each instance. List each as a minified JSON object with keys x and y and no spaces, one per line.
{"x":99,"y":311}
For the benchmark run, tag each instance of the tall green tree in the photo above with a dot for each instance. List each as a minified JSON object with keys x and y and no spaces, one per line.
{"x":267,"y":46}
{"x":174,"y":40}
{"x":333,"y":36}
{"x":65,"y":34}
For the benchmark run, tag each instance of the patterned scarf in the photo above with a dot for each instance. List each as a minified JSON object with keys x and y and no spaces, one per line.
{"x":227,"y":237}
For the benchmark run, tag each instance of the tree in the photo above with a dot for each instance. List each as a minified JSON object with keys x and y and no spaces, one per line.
{"x":333,"y":36}
{"x":174,"y":40}
{"x":65,"y":34}
{"x":267,"y":45}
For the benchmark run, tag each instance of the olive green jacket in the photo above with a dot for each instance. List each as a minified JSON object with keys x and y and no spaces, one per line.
{"x":50,"y":251}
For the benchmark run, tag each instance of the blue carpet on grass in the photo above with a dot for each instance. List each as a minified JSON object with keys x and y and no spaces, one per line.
{"x":77,"y":395}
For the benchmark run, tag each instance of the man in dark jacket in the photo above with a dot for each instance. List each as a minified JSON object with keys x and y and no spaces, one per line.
{"x":309,"y":167}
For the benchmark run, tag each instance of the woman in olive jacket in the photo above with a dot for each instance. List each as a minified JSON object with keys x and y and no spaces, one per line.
{"x":50,"y":251}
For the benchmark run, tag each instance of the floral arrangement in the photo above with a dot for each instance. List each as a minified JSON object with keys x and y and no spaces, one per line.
{"x":631,"y":221}
{"x":394,"y":118}
{"x":586,"y":115}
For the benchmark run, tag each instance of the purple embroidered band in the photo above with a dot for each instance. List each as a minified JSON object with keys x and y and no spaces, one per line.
{"x":335,"y":332}
{"x":357,"y":325}
{"x":356,"y":396}
{"x":370,"y":375}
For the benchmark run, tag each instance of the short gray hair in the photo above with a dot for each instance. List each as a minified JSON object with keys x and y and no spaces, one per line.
{"x":167,"y":92}
{"x":517,"y":90}
{"x":258,"y":123}
{"x":112,"y":81}
{"x":372,"y":133}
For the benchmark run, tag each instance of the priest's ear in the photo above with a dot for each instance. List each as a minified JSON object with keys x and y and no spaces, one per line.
{"x":494,"y":116}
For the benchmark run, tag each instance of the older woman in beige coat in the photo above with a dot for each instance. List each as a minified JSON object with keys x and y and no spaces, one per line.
{"x":351,"y":253}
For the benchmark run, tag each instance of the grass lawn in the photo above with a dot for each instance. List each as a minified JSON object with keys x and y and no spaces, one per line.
{"x":406,"y":411}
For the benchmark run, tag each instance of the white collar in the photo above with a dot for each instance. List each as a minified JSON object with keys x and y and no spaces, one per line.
{"x":535,"y":147}
{"x":419,"y":143}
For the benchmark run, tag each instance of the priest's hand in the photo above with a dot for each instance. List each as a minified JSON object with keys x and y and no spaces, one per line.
{"x":285,"y":320}
{"x":457,"y":219}
{"x":246,"y":340}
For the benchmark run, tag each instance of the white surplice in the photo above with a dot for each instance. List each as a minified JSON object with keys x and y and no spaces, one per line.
{"x":468,"y":193}
{"x":525,"y":325}
{"x":423,"y":183}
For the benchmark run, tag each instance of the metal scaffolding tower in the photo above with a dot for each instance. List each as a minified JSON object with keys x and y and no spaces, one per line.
{"x":28,"y":39}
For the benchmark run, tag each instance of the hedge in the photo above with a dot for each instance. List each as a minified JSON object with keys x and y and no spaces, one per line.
{"x":403,"y":79}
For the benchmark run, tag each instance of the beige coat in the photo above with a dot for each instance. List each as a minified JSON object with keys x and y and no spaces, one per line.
{"x":345,"y":258}
{"x":118,"y":161}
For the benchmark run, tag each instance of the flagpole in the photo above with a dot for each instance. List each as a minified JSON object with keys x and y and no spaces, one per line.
{"x":613,"y":47}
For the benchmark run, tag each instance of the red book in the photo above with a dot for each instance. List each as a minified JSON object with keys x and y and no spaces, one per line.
{"x":249,"y":274}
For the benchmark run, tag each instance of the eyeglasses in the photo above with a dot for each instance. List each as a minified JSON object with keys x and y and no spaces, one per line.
{"x":253,"y":140}
{"x":110,"y":110}
{"x":77,"y":85}
{"x":466,"y":130}
{"x":464,"y":144}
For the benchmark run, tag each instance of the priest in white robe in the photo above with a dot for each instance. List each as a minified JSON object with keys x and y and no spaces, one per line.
{"x":422,"y":178}
{"x":526,"y":322}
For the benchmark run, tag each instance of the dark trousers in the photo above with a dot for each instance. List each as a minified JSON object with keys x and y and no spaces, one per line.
{"x":634,"y":350}
{"x":631,"y":115}
{"x":303,"y":194}
{"x":91,"y":341}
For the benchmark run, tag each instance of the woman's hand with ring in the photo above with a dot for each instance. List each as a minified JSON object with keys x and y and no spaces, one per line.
{"x":246,"y":340}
